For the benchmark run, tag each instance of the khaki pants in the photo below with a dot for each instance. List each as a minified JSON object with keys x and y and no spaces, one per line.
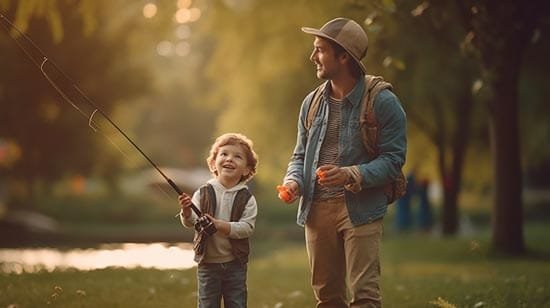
{"x":341,"y":254}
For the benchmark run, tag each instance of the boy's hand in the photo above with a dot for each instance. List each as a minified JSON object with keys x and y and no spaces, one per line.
{"x":185,"y":203}
{"x":222,"y":226}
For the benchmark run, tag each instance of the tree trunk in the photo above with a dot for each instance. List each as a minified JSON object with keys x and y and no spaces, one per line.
{"x":501,"y":32}
{"x":503,"y":58}
{"x":504,"y":130}
{"x":452,"y":179}
{"x":449,"y":212}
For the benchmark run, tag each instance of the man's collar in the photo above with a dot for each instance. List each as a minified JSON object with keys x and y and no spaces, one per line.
{"x":356,"y":94}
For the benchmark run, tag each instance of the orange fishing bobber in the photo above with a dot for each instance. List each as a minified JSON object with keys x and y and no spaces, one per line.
{"x":284,"y":193}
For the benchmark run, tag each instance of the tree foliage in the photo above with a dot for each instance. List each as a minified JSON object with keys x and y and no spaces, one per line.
{"x":260,"y":72}
{"x":117,"y":65}
{"x":500,"y":48}
{"x":248,"y":71}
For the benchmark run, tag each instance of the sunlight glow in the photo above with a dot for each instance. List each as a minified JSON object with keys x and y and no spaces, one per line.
{"x":183,"y":15}
{"x":187,"y":15}
{"x":49,"y":111}
{"x":387,"y":61}
{"x":183,"y":32}
{"x":478,"y":84}
{"x":129,"y":255}
{"x":183,"y":49}
{"x":149,"y":10}
{"x":165,"y":48}
{"x":195,"y":14}
{"x":184,"y":4}
{"x":10,"y":152}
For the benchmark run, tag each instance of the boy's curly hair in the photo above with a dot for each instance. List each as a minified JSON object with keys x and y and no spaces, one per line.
{"x":234,"y":139}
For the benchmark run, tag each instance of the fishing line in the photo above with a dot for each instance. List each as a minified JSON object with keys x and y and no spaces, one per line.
{"x":98,"y":121}
{"x":94,"y":125}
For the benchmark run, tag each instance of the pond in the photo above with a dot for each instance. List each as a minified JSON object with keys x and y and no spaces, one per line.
{"x":126,"y":255}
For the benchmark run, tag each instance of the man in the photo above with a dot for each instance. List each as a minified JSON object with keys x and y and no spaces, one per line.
{"x":341,"y":185}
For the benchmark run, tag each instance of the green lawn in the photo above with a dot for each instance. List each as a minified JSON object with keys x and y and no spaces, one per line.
{"x":417,"y":271}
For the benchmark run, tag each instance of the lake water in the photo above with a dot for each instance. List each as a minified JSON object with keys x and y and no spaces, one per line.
{"x":127,"y":255}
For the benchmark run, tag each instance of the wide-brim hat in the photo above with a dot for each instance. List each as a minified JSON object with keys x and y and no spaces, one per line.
{"x":346,"y":33}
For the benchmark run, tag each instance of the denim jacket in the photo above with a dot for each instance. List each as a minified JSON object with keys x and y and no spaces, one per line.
{"x":369,"y":203}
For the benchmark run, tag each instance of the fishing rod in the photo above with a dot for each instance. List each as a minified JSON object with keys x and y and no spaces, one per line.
{"x":83,"y":104}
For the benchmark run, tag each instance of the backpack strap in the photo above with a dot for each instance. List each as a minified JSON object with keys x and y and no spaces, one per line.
{"x":368,"y":121}
{"x":369,"y":128}
{"x":314,"y":105}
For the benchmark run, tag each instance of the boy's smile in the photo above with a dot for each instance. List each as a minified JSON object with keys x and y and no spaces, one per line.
{"x":231,"y":165}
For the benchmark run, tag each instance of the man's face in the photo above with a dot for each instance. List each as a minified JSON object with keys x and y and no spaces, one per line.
{"x":325,"y":59}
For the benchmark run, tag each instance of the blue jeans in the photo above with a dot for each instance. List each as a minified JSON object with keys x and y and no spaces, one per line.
{"x":222,"y":280}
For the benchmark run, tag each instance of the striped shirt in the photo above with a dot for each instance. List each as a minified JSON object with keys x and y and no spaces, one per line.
{"x":329,"y":152}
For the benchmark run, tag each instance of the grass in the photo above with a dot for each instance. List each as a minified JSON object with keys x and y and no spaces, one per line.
{"x":417,"y":271}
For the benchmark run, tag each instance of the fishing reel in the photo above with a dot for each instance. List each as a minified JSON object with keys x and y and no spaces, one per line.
{"x":205,"y":225}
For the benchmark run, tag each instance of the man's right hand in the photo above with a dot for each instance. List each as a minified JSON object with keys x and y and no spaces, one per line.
{"x":289,"y":192}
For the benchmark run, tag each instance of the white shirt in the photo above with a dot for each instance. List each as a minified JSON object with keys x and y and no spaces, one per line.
{"x":218,"y":247}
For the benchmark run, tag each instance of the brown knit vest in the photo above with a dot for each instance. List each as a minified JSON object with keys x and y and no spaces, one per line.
{"x":240,"y":247}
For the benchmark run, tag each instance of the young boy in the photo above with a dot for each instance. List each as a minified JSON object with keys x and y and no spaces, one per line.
{"x":225,"y":199}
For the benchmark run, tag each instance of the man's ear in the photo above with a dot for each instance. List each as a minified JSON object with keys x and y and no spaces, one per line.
{"x":350,"y":58}
{"x":344,"y":57}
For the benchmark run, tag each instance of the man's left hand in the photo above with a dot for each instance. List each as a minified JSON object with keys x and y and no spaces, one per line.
{"x":332,"y":176}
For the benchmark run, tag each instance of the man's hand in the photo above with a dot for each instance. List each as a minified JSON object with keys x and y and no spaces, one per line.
{"x":332,"y":176}
{"x":288,"y":192}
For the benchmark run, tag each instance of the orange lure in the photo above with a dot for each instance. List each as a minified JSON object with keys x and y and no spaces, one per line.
{"x":321,"y":174}
{"x":284,"y":193}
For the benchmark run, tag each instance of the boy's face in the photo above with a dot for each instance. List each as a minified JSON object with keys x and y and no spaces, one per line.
{"x":231,"y":164}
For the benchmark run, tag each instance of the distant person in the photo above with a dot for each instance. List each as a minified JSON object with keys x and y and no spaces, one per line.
{"x":425,"y":215}
{"x":344,"y":187}
{"x":403,"y":215}
{"x":225,"y":199}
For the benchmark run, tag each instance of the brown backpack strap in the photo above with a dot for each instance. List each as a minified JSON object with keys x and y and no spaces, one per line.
{"x":368,"y":121}
{"x":314,"y":105}
{"x":369,"y":126}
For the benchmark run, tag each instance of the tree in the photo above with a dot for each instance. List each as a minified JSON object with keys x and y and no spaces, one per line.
{"x":52,"y":137}
{"x":270,"y":74}
{"x":418,"y":45}
{"x":156,"y":98}
{"x":260,"y":72}
{"x":500,"y":32}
